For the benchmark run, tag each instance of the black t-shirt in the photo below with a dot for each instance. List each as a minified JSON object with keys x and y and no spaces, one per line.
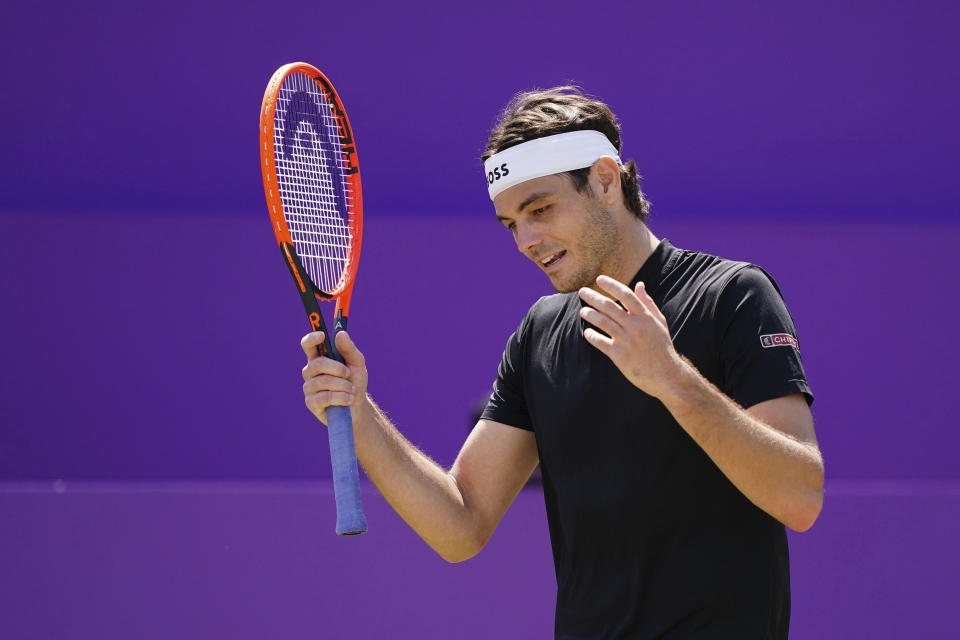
{"x":650,"y":539}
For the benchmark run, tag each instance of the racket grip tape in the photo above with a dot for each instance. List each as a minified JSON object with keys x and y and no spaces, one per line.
{"x":343,"y":457}
{"x":346,"y":478}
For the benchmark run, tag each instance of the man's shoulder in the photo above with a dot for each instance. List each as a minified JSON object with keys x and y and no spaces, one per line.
{"x":550,"y":311}
{"x":716,"y":275}
{"x":707,"y":266}
{"x":549,"y":306}
{"x":723,"y":286}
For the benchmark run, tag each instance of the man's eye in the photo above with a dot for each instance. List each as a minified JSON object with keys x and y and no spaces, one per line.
{"x":540,"y":210}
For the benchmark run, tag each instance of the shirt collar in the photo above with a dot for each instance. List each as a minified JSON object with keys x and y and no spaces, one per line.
{"x":656,"y":267}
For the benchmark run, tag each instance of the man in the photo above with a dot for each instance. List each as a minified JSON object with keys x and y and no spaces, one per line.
{"x":661,"y":391}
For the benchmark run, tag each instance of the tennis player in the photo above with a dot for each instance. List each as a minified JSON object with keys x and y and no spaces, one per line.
{"x":661,"y":391}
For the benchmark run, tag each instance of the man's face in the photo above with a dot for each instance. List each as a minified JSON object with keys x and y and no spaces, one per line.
{"x":571,"y":236}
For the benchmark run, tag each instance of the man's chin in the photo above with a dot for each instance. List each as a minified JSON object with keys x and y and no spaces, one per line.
{"x":570,"y":283}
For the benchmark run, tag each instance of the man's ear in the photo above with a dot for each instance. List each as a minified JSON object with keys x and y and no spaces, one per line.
{"x":605,"y":176}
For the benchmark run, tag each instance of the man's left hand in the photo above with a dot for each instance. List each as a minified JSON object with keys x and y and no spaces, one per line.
{"x":639,"y":341}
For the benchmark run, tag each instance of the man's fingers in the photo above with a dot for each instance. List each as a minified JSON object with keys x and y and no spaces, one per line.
{"x":600,"y":341}
{"x":621,"y":292}
{"x":602,"y":304}
{"x":601,"y":321}
{"x":345,"y":346}
{"x":337,"y":398}
{"x":310,"y":343}
{"x":351,"y":355}
{"x":324,"y":399}
{"x":325,"y":366}
{"x":327,"y":383}
{"x":641,"y":292}
{"x":318,"y":402}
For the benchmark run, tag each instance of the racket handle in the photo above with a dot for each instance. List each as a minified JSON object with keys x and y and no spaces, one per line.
{"x":346,"y":478}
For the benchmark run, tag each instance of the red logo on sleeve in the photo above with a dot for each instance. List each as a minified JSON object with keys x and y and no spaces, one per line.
{"x":779,"y":340}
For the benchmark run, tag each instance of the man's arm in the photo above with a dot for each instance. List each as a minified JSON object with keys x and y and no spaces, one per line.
{"x":454,"y":512}
{"x":769,"y":451}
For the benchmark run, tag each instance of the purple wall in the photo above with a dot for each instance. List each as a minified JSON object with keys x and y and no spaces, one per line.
{"x":142,"y":350}
{"x":151,"y":332}
{"x":822,"y":108}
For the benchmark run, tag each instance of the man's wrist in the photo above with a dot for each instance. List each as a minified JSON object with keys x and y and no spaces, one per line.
{"x":366,"y":409}
{"x":681,"y":386}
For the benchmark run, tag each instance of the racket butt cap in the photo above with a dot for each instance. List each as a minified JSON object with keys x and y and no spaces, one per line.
{"x":351,"y":526}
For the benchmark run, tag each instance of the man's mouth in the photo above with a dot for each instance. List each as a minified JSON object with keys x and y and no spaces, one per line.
{"x":552,"y":259}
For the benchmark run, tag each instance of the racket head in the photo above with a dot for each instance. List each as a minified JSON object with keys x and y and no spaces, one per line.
{"x":311,"y":179}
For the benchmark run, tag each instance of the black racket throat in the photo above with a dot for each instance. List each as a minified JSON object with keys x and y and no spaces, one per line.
{"x":310,"y":295}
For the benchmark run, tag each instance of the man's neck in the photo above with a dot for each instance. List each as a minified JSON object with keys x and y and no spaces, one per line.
{"x":638,"y":244}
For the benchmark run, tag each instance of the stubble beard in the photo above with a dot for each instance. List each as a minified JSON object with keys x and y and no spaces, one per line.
{"x":595,"y":249}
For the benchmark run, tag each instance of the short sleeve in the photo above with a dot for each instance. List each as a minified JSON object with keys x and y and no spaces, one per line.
{"x":759,"y":350}
{"x":507,"y":404}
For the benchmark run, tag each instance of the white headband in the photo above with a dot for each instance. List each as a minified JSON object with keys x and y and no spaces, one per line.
{"x":545,"y":157}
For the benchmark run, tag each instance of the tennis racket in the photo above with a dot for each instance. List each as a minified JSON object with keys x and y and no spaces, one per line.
{"x":312,"y":182}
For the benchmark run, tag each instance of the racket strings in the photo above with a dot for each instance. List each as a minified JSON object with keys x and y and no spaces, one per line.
{"x":312,"y":180}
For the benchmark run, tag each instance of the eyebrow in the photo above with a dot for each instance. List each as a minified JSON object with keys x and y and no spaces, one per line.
{"x":526,"y":203}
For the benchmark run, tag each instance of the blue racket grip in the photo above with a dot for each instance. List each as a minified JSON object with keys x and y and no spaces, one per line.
{"x":346,"y":478}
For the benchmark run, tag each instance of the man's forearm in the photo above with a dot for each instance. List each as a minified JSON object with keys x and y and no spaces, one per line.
{"x":780,"y":474}
{"x":419,"y":490}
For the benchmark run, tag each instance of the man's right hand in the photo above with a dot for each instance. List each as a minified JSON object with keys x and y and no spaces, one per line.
{"x":455,"y":512}
{"x":328,"y":382}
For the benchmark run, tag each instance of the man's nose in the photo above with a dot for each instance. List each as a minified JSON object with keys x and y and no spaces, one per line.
{"x":527,"y":238}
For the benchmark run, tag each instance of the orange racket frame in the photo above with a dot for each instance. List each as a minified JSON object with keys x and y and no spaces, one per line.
{"x":344,"y":289}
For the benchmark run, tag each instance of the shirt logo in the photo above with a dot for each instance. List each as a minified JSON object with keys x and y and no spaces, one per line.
{"x":779,"y":340}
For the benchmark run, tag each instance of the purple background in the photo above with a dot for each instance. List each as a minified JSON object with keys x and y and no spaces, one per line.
{"x":151,"y":331}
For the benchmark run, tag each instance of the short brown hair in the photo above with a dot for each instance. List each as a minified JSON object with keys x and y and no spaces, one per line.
{"x":540,"y":113}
